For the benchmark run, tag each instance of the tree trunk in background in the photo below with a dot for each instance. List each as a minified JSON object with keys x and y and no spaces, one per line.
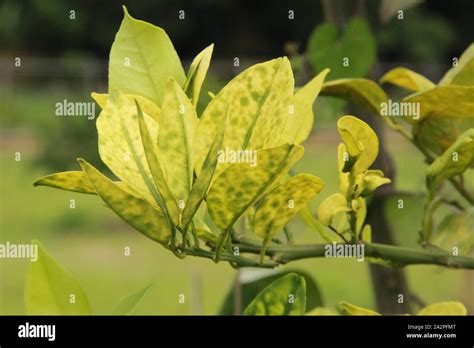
{"x":387,"y":283}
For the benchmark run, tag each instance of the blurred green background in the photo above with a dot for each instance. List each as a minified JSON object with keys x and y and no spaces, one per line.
{"x":67,"y":59}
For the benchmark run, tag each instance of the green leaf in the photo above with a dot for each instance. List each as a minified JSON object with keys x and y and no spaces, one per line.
{"x":121,"y":147}
{"x":282,"y":204}
{"x":285,"y":296}
{"x":454,"y":161}
{"x":258,"y":100}
{"x":444,"y":308}
{"x":369,"y":181}
{"x":443,"y":102}
{"x":367,"y":234}
{"x":164,"y":196}
{"x":137,"y":212}
{"x":355,"y":310}
{"x":176,"y":139}
{"x":197,"y":73}
{"x":49,"y":289}
{"x":241,"y":185}
{"x":455,"y":231}
{"x":147,"y":106}
{"x":300,"y":118}
{"x":332,"y":205}
{"x":70,"y":181}
{"x":364,"y":92}
{"x":142,"y":59}
{"x":357,"y":135}
{"x":203,"y":181}
{"x":327,"y":48}
{"x":129,"y":304}
{"x":463,"y":72}
{"x":407,"y":79}
{"x":252,"y":282}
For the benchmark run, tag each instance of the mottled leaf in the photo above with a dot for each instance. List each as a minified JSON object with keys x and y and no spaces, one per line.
{"x":356,"y":133}
{"x":282,"y":204}
{"x":203,"y":181}
{"x":241,"y":185}
{"x":142,"y":59}
{"x":444,"y":308}
{"x":407,"y":79}
{"x":70,"y":181}
{"x":129,"y":304}
{"x":49,"y":288}
{"x":176,"y":139}
{"x":364,"y":92}
{"x":300,"y":118}
{"x":258,"y":100}
{"x":332,"y":205}
{"x":164,"y":195}
{"x":197,"y":73}
{"x":355,"y":310}
{"x":463,"y":72}
{"x":285,"y":296}
{"x":148,"y":107}
{"x":137,"y":212}
{"x":121,"y":147}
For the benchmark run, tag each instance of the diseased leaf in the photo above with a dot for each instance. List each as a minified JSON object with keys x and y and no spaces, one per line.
{"x":121,"y":147}
{"x":75,"y":181}
{"x":454,"y":161}
{"x":357,"y":133}
{"x":328,"y":48}
{"x":241,"y":185}
{"x":407,"y":79}
{"x":285,"y":296}
{"x":444,"y":308}
{"x":197,"y":73}
{"x":137,"y":212}
{"x":176,"y":139}
{"x":355,"y":310}
{"x":129,"y":304}
{"x":443,"y":102}
{"x":332,"y":205}
{"x":282,"y":204}
{"x":364,"y":92}
{"x":142,"y":59}
{"x":300,"y":118}
{"x":463,"y":72}
{"x":148,"y":107}
{"x":203,"y":181}
{"x":258,"y":100}
{"x":455,"y":231}
{"x":164,"y":195}
{"x":49,"y":287}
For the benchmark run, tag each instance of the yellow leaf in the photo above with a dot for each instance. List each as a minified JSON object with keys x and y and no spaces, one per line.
{"x":300,"y":118}
{"x":407,"y":79}
{"x":332,"y":205}
{"x":463,"y":72}
{"x":258,"y":100}
{"x":197,"y":74}
{"x":355,"y":310}
{"x":444,"y":308}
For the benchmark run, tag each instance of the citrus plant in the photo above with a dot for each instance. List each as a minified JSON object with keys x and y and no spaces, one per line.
{"x":186,"y":179}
